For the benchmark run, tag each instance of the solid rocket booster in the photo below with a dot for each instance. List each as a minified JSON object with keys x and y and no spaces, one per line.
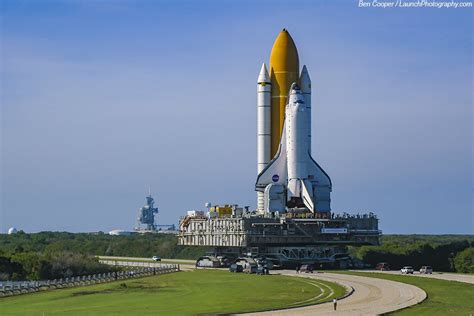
{"x":264,"y":87}
{"x":305,"y":84}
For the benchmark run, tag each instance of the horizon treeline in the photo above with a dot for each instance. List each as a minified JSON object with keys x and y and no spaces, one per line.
{"x":49,"y":255}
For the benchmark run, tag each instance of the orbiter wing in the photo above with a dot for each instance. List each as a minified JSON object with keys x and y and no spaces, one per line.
{"x":317,"y":174}
{"x":322,"y":186}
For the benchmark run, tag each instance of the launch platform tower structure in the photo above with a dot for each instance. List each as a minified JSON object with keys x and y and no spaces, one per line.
{"x":146,"y":215}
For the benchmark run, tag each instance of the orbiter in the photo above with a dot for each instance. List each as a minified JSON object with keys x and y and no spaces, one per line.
{"x":291,"y":179}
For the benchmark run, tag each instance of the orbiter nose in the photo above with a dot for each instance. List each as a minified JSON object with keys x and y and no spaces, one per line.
{"x":295,"y":88}
{"x":296,"y":97}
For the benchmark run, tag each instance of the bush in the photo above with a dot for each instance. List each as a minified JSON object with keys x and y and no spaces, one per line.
{"x":464,"y":261}
{"x":35,"y":266}
{"x":68,"y":264}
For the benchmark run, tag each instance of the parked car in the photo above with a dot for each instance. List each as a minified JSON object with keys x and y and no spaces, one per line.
{"x":248,"y":264}
{"x":208,"y":262}
{"x":224,"y":261}
{"x":307,"y":268}
{"x":382,"y":266}
{"x":262,"y":270}
{"x":264,"y":262}
{"x":156,"y":258}
{"x":426,"y":270}
{"x":250,"y":268}
{"x":236,"y":268}
{"x":407,"y":270}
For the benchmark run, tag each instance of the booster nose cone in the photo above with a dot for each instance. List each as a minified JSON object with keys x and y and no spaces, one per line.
{"x":305,"y":80}
{"x":263,"y":76}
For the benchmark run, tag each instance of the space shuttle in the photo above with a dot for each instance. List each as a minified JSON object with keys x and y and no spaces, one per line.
{"x":291,"y":179}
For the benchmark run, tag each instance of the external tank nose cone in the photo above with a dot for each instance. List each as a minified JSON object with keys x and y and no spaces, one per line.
{"x":284,"y":55}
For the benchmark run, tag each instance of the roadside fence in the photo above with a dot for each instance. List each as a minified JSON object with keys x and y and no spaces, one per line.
{"x":123,"y":263}
{"x":10,"y":288}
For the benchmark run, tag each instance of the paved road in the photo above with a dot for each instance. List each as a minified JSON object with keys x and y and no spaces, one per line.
{"x":466,"y":278}
{"x":370,"y":297}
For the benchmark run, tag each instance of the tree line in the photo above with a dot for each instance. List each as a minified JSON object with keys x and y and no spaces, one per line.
{"x":49,"y":255}
{"x":54,"y":255}
{"x":136,"y":245}
{"x":448,"y":253}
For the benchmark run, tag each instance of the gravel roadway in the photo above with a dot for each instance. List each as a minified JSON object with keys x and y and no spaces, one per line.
{"x":370,"y":296}
{"x":466,"y":278}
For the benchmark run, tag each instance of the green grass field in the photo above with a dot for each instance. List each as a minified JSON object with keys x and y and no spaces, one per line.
{"x":444,"y":297}
{"x":183,"y":293}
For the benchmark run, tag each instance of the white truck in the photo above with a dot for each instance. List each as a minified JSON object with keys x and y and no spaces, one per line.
{"x":407,"y":270}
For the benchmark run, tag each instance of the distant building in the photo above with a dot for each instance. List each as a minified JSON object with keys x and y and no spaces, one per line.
{"x":119,"y":232}
{"x":12,"y":230}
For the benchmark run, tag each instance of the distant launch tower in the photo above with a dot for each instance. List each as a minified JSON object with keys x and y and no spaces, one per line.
{"x":146,"y":215}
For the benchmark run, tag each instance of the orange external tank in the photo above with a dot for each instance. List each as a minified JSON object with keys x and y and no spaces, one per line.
{"x":284,"y":70}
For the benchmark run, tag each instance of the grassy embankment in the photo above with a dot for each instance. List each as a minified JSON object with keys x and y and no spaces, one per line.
{"x":444,"y":297}
{"x":184,"y":293}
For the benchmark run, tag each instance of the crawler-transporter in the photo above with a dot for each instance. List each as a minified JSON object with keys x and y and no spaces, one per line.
{"x":287,"y":239}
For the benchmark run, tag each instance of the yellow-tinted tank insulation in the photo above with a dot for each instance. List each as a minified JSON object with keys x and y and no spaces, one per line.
{"x":284,"y":70}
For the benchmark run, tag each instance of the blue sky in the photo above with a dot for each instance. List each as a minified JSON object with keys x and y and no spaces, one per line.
{"x":102,"y":98}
